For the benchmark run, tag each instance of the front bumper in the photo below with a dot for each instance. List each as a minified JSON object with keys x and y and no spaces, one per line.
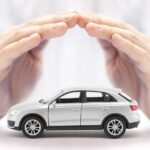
{"x":13,"y":121}
{"x":11,"y":125}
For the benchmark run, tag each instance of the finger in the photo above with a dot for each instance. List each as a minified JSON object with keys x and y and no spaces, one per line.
{"x":9,"y":53}
{"x":1,"y":34}
{"x":133,"y":51}
{"x":86,"y":17}
{"x":36,"y":53}
{"x":45,"y":31}
{"x":105,"y":32}
{"x":70,"y":18}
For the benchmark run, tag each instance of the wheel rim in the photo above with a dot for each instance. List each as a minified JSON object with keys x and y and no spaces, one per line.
{"x":32,"y":127}
{"x":115,"y":127}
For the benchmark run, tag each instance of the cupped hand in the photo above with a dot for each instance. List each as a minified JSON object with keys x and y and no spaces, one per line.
{"x":127,"y":54}
{"x":20,"y":55}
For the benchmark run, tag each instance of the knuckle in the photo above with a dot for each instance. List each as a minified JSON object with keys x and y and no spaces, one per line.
{"x":42,"y":31}
{"x":108,"y":33}
{"x":17,"y":33}
{"x":134,"y":36}
{"x":145,"y":57}
{"x":2,"y":53}
{"x":2,"y":33}
{"x":29,"y":23}
{"x":54,"y":17}
{"x":99,"y":20}
{"x":53,"y":27}
{"x":122,"y":24}
{"x":18,"y":43}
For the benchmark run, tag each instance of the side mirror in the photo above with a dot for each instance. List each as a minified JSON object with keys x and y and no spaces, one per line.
{"x":54,"y":104}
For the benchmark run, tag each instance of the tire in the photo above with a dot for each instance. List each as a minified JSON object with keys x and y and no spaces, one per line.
{"x":114,"y":127}
{"x":32,"y":127}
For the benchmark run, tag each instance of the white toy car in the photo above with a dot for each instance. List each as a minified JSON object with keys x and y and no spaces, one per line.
{"x":77,"y":109}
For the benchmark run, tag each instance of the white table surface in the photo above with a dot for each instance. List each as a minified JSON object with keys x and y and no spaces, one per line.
{"x":138,"y":139}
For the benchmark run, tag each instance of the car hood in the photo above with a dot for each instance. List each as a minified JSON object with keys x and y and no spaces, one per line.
{"x":27,"y":105}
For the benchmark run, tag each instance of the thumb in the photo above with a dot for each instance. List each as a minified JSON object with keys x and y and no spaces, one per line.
{"x":109,"y":50}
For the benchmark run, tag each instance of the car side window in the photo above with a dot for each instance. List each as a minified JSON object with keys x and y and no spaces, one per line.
{"x":94,"y":97}
{"x":73,"y":97}
{"x":99,"y":97}
{"x":109,"y":98}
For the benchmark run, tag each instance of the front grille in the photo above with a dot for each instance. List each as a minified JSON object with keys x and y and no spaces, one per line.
{"x":11,"y":123}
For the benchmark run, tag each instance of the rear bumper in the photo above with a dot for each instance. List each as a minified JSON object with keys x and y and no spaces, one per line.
{"x":133,"y":125}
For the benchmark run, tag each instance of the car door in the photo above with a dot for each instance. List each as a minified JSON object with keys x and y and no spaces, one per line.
{"x":65,"y":111}
{"x":94,"y":108}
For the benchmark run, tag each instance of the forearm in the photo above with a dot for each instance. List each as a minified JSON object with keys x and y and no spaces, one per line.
{"x":4,"y":98}
{"x":144,"y":99}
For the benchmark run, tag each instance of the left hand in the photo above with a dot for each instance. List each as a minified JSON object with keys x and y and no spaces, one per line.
{"x":21,"y":55}
{"x":127,"y":55}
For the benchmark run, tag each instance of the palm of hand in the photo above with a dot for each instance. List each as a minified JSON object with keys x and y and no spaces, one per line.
{"x":25,"y":73}
{"x":20,"y":79}
{"x":122,"y":71}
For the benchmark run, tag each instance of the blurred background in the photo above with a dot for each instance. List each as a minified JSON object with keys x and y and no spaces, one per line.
{"x":74,"y":60}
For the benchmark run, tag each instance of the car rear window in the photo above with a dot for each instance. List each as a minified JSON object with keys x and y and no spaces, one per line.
{"x":92,"y":96}
{"x":125,"y":96}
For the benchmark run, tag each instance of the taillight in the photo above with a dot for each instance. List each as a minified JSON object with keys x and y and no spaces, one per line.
{"x":133,"y":107}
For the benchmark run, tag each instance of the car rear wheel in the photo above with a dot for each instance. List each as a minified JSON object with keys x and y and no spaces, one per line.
{"x":32,"y":127}
{"x":114,"y":127}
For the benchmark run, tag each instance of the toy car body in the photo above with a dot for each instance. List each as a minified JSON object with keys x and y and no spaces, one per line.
{"x":79,"y":109}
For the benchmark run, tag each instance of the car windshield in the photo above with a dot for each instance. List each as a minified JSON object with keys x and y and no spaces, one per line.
{"x":128,"y":98}
{"x":53,"y":96}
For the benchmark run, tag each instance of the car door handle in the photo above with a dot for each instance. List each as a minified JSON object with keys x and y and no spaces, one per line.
{"x":105,"y":108}
{"x":75,"y":109}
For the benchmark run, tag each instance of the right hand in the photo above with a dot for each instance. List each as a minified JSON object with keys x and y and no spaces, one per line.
{"x":20,"y":55}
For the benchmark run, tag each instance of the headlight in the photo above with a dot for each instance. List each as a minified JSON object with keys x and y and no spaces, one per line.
{"x":13,"y":113}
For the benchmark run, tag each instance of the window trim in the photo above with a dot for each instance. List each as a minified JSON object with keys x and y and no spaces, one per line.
{"x":93,"y":101}
{"x":80,"y":100}
{"x":102,"y":96}
{"x":111,"y":97}
{"x":129,"y":100}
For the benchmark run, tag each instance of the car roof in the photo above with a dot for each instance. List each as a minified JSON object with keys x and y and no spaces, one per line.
{"x":108,"y":90}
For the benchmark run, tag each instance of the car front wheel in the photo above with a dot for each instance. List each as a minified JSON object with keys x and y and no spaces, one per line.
{"x":114,"y":127}
{"x":32,"y":127}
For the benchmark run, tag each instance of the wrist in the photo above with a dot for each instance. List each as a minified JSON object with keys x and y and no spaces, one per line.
{"x":144,"y":99}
